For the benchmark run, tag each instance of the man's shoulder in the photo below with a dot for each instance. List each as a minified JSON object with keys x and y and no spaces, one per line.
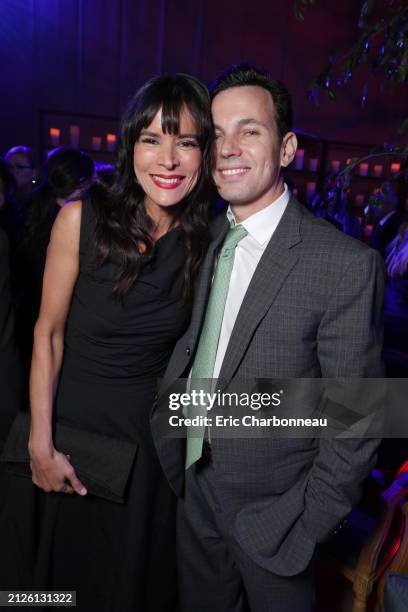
{"x":327,"y":236}
{"x":324,"y":247}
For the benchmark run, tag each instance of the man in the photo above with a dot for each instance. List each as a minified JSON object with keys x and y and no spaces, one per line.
{"x":302,"y":301}
{"x":22,"y":164}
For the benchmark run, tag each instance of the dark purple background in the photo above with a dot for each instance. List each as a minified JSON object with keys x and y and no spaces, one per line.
{"x":88,"y":56}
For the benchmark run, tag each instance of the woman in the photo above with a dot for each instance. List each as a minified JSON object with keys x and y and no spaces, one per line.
{"x":67,"y":173}
{"x":118,"y":280}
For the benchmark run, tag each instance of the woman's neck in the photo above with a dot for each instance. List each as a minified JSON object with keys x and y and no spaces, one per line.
{"x":163,"y":219}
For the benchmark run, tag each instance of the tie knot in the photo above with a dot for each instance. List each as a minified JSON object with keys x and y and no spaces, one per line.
{"x":234,"y":235}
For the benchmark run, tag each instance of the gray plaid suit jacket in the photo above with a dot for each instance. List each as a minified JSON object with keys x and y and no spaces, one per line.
{"x":313,"y":309}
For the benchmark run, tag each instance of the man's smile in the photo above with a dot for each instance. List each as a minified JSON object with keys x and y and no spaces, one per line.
{"x":232,"y":173}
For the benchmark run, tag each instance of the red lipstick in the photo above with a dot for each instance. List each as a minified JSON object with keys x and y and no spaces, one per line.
{"x":167,"y":181}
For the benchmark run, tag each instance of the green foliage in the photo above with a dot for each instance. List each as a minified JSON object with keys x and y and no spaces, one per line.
{"x":381,"y":49}
{"x":299,"y":8}
{"x":403,"y":127}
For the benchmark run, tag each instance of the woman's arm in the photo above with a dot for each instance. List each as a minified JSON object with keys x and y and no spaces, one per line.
{"x":50,"y":468}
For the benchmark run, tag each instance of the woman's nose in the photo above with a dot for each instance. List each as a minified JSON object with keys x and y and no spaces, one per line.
{"x":169,"y":156}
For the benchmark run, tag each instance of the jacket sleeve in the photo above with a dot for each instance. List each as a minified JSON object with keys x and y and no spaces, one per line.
{"x":349,"y":345}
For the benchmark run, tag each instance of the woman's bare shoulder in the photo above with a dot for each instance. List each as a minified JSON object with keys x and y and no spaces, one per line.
{"x":67,"y":225}
{"x":69,"y":217}
{"x":70,"y":213}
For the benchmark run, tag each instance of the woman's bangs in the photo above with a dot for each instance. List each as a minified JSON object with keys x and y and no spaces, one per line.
{"x":146,"y":117}
{"x":172,"y":100}
{"x":171,"y":110}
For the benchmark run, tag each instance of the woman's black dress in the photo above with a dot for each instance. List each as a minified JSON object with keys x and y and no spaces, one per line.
{"x":117,"y":557}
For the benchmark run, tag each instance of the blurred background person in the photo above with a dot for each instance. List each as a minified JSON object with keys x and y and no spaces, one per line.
{"x":24,"y":167}
{"x":396,"y":300}
{"x":105,"y":174}
{"x":9,"y":360}
{"x":23,"y":163}
{"x":394,"y":217}
{"x":6,"y":209}
{"x":67,"y":173}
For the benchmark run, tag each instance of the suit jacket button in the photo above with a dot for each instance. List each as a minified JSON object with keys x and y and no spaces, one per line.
{"x":188,"y":351}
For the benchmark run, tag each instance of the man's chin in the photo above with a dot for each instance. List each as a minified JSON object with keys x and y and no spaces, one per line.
{"x":233,"y":196}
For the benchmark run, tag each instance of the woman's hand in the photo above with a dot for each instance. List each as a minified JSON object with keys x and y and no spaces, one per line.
{"x":52,"y":471}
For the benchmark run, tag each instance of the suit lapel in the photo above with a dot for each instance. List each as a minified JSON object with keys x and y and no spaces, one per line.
{"x":274,"y":267}
{"x":218,"y":231}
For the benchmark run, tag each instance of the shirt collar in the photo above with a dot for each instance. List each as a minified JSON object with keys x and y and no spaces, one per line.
{"x":262,"y":224}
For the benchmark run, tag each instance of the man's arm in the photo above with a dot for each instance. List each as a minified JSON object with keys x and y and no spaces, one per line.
{"x":349,"y":344}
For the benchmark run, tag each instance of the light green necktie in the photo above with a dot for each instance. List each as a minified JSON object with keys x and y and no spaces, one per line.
{"x":203,"y":366}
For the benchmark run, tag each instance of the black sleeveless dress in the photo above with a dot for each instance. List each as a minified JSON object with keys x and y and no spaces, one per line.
{"x":117,"y":557}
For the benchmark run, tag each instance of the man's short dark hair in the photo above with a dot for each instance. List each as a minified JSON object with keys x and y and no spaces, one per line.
{"x":242,"y":75}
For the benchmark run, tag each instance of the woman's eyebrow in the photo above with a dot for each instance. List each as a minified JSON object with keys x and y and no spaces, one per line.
{"x":187,"y":136}
{"x":149,"y":133}
{"x":158,"y":134}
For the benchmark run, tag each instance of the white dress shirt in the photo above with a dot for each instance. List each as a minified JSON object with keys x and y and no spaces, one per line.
{"x":260,"y":227}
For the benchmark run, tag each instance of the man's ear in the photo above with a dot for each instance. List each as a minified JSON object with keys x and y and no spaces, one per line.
{"x":288,"y":148}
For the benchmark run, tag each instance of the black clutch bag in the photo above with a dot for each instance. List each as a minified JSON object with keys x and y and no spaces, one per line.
{"x":101,"y":462}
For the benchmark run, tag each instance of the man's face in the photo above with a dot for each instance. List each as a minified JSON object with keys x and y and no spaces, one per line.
{"x":22,"y":171}
{"x":249,"y":152}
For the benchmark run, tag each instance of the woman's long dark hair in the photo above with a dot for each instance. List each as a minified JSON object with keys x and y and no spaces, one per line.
{"x":123,"y":224}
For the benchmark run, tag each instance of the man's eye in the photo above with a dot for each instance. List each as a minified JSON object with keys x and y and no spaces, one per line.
{"x":251,"y":133}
